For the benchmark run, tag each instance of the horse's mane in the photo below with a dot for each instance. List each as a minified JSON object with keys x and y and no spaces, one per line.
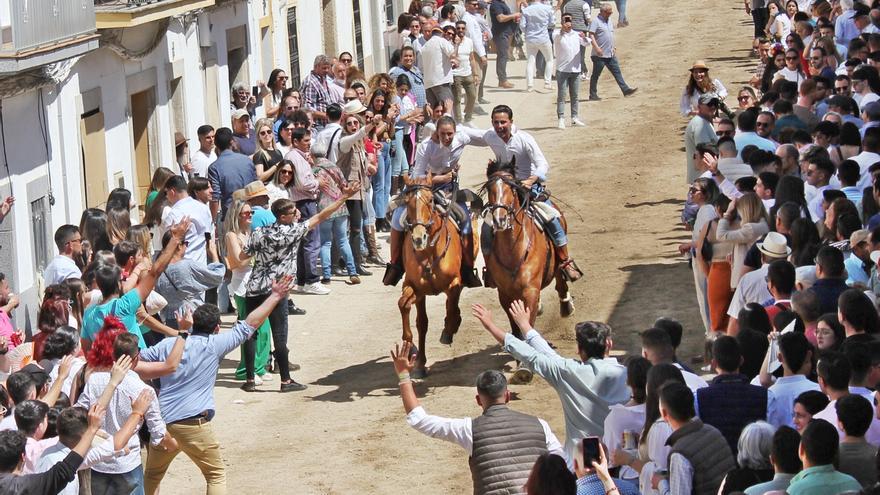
{"x":496,"y":166}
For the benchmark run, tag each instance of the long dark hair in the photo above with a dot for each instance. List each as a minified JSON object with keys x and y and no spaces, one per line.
{"x":377,"y":93}
{"x":93,"y":227}
{"x":790,"y":189}
{"x":805,"y":242}
{"x":273,"y":78}
{"x":658,"y":376}
{"x":550,"y":476}
{"x":637,"y":369}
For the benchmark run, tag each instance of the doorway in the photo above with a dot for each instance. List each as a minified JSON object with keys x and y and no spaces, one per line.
{"x":142,"y":107}
{"x":94,"y":158}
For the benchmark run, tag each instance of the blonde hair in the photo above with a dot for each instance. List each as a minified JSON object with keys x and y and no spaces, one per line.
{"x":232,"y":223}
{"x":140,"y":235}
{"x":751,"y":208}
{"x":118,"y":223}
{"x":264,"y":123}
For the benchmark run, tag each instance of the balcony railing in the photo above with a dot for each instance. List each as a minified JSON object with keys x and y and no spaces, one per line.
{"x":28,"y":25}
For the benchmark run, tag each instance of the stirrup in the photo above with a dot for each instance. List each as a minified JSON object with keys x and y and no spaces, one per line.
{"x":393,"y":274}
{"x":488,"y":281}
{"x":469,"y":277}
{"x":570,"y":270}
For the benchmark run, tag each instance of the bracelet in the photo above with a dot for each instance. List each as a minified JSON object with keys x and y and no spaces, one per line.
{"x":403,"y":375}
{"x":611,"y":490}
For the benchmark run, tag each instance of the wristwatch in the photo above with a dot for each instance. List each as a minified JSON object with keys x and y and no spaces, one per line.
{"x":183,"y":334}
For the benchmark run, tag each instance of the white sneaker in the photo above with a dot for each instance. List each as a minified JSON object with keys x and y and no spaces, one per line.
{"x":316,"y":288}
{"x":530,"y":89}
{"x":584,"y":76}
{"x":561,"y":124}
{"x":266,"y":378}
{"x":547,"y":86}
{"x":257,"y":380}
{"x":577,"y":122}
{"x":297,"y":289}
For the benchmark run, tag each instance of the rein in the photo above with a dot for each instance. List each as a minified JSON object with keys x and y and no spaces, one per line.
{"x":435,"y":237}
{"x":516,"y":214}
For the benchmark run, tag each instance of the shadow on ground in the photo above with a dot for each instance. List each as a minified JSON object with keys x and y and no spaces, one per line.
{"x":377,"y":375}
{"x":652,"y":291}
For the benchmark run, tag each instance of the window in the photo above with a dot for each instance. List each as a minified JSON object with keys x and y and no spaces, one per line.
{"x":40,"y":233}
{"x":293,"y":45}
{"x":358,"y":33}
{"x":389,"y":12}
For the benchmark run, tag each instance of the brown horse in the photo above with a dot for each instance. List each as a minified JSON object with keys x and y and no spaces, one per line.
{"x":432,"y":255}
{"x":522,"y":260}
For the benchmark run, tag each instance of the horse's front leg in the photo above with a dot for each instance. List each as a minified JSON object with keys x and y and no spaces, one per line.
{"x":453,"y":314}
{"x":566,"y":302}
{"x":422,"y":326}
{"x":405,"y":305}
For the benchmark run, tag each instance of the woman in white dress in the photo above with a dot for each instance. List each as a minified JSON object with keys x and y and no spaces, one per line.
{"x":625,"y":421}
{"x":779,"y":24}
{"x":698,"y":84}
{"x":653,"y":451}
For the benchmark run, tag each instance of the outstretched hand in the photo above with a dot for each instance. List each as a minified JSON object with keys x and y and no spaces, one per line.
{"x":483,"y":314}
{"x":179,"y":229}
{"x":351,"y":188}
{"x":404,"y":360}
{"x":184,"y":319}
{"x":283,"y":285}
{"x":521,"y":315}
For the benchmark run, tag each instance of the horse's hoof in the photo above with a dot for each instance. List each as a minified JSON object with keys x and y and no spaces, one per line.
{"x":413,"y":351}
{"x":521,"y":376}
{"x":418,"y":373}
{"x":566,"y":308}
{"x":446,"y":338}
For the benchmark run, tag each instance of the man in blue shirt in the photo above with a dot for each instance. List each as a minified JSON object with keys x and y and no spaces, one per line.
{"x":746,"y":124}
{"x":186,"y":397}
{"x":503,"y":26}
{"x":231,"y":172}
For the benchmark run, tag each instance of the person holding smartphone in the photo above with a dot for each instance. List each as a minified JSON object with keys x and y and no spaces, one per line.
{"x":591,"y":468}
{"x":502,"y":444}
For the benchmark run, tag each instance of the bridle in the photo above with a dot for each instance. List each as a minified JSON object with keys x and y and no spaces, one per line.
{"x":518,"y":190}
{"x":410,"y":190}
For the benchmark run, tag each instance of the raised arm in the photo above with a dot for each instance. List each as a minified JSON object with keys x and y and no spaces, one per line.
{"x":348,"y":191}
{"x":149,"y":370}
{"x":148,"y":277}
{"x":55,"y":390}
{"x":133,"y":423}
{"x":404,"y":360}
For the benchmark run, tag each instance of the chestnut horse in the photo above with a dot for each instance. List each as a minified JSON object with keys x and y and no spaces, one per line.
{"x":432,"y":260}
{"x":522,"y":260}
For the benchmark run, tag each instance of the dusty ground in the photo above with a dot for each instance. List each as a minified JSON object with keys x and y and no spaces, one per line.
{"x":624,"y":174}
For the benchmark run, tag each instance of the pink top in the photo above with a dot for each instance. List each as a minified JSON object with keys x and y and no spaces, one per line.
{"x":7,"y":330}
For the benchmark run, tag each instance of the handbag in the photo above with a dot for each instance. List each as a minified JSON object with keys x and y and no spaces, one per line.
{"x":706,"y":249}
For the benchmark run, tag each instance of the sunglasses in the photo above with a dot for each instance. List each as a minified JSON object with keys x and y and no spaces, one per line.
{"x":763,"y":124}
{"x":724,"y":133}
{"x":265,"y":133}
{"x":248,"y":213}
{"x":693,"y":190}
{"x":345,"y":60}
{"x":352,"y":122}
{"x":743,"y":98}
{"x":841,"y":89}
{"x":285,"y":172}
{"x":791,"y":58}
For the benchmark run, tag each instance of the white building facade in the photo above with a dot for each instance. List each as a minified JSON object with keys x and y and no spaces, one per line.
{"x":92,"y":102}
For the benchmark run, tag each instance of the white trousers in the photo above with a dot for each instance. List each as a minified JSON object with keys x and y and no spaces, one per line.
{"x":532,"y":50}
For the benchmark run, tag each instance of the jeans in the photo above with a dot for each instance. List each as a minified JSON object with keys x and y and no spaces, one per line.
{"x":621,"y":10}
{"x":199,"y":443}
{"x":465,"y":83}
{"x":278,"y":323}
{"x":381,"y":180}
{"x":130,"y":483}
{"x":600,"y":63}
{"x":532,"y":49}
{"x":399,"y":163}
{"x":572,"y":82}
{"x":355,"y":224}
{"x":502,"y":46}
{"x":309,"y":247}
{"x":760,"y":18}
{"x":335,"y":230}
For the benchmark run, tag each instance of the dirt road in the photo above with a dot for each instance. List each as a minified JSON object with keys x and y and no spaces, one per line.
{"x":624,"y":174}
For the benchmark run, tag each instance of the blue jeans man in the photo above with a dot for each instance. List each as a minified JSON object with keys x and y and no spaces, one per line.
{"x":335,"y":230}
{"x":600,"y":63}
{"x":571,"y":82}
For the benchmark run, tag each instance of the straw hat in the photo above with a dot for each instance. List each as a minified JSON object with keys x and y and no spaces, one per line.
{"x":699,"y":65}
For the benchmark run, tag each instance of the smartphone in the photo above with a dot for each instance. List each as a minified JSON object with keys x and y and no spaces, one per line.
{"x":208,"y":236}
{"x":591,"y":451}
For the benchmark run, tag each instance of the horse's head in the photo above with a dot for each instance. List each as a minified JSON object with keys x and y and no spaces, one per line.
{"x":501,"y":194}
{"x":419,"y":197}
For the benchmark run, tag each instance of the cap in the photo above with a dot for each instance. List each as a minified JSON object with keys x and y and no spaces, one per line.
{"x":859,"y":237}
{"x":241,"y":112}
{"x":709,"y":99}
